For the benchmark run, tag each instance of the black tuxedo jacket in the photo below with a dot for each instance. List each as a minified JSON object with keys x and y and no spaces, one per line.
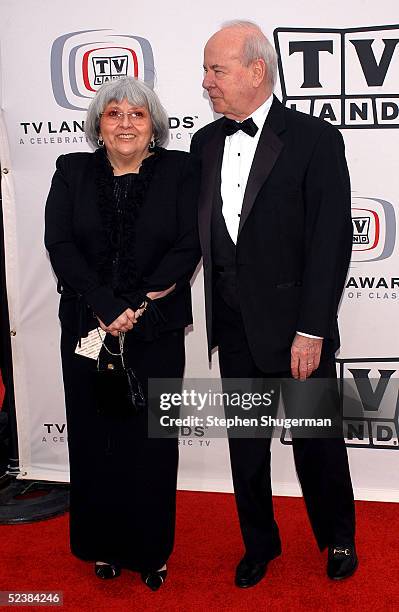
{"x":295,"y":235}
{"x":167,"y":246}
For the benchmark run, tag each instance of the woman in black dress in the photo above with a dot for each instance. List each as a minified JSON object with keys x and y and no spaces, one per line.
{"x":121,"y":232}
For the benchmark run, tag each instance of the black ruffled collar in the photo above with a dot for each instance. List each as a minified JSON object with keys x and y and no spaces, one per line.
{"x":119,"y":209}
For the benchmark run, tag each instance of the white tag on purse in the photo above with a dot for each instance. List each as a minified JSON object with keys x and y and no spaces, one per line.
{"x":91,"y":345}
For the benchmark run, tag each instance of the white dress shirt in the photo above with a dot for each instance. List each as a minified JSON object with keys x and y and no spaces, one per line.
{"x":238,"y":155}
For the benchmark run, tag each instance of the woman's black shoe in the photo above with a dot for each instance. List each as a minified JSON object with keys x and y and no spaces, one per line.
{"x":154,"y":579}
{"x":105,"y":571}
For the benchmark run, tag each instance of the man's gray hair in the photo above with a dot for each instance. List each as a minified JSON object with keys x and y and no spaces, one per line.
{"x":137,"y":93}
{"x":256,"y":46}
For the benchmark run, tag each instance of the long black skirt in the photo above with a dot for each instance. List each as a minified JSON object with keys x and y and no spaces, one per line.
{"x":123,"y":483}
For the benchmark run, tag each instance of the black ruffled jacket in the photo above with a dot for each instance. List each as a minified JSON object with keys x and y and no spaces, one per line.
{"x":161,"y":245}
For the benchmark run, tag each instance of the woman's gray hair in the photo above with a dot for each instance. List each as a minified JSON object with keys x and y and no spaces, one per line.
{"x":256,"y":46}
{"x":137,"y":93}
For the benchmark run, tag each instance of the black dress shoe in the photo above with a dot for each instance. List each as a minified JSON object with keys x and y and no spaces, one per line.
{"x":249,"y":573}
{"x":154,"y":579}
{"x":342,"y":562}
{"x":105,"y":571}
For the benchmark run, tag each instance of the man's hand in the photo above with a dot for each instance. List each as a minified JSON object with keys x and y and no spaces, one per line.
{"x":155,"y":295}
{"x":123,"y":323}
{"x":305,"y":356}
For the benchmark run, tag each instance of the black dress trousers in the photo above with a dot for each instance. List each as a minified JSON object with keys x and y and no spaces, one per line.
{"x":321,"y":464}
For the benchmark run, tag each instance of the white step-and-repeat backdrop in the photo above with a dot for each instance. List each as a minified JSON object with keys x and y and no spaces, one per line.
{"x":338,"y":60}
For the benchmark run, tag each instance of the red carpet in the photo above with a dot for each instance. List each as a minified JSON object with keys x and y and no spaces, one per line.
{"x":208,"y":546}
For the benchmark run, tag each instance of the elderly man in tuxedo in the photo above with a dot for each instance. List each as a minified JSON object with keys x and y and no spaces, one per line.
{"x":276,"y":234}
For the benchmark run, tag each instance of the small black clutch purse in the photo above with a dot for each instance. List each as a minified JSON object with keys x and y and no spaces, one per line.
{"x":118,"y":390}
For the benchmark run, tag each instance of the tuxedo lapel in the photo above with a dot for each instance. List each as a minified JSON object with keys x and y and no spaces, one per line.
{"x":211,"y":164}
{"x":266,"y":154}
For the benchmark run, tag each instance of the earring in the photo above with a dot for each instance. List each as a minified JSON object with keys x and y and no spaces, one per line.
{"x":100,"y":141}
{"x":152,"y":145}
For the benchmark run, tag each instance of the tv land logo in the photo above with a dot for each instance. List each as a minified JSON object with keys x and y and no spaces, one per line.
{"x":82,"y":61}
{"x":349,"y":77}
{"x":54,"y":432}
{"x":361,"y":228}
{"x":374,"y":229}
{"x":369,"y":396}
{"x":108,"y":68}
{"x":370,"y":402}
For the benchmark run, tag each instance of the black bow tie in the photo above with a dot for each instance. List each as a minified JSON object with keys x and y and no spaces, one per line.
{"x":248,"y":126}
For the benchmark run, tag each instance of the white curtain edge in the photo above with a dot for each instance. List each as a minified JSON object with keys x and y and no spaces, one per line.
{"x":12,"y":285}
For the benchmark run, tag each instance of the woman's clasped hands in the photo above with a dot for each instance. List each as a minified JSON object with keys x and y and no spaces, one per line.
{"x":129,"y":317}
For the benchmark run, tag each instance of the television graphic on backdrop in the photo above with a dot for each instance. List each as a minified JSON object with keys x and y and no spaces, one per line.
{"x":109,"y":68}
{"x":374,"y":229}
{"x":349,"y":77}
{"x":83,"y":61}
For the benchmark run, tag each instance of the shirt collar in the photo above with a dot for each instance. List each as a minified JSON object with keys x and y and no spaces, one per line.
{"x":260,"y":114}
